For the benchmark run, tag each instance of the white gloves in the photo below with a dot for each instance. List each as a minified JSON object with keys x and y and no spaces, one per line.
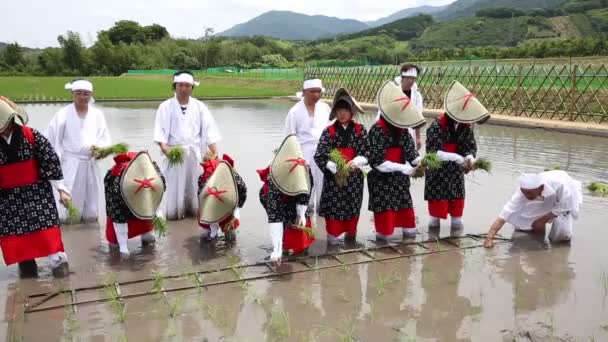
{"x":332,"y":167}
{"x":276,"y":235}
{"x":301,"y":210}
{"x":448,"y":156}
{"x":359,"y":161}
{"x":389,"y":166}
{"x":416,"y":161}
{"x":236,"y":214}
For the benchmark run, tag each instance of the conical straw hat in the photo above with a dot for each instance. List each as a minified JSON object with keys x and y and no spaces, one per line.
{"x":397,"y":108}
{"x":462,"y":105}
{"x":142,"y":187}
{"x":220,"y":195}
{"x":289,"y":170}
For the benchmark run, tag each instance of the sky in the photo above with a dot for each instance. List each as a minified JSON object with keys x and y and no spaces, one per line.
{"x":38,"y":23}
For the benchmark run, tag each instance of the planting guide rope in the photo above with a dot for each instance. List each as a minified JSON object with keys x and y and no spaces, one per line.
{"x":391,"y":251}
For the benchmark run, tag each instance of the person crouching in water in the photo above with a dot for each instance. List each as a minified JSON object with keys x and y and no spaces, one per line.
{"x":134,"y":188}
{"x":342,"y":193}
{"x":228,"y":225}
{"x":451,"y":137}
{"x":285,"y":195}
{"x":393,"y":158}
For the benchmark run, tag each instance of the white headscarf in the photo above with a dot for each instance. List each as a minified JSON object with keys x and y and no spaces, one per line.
{"x":530,"y":181}
{"x":185,"y":78}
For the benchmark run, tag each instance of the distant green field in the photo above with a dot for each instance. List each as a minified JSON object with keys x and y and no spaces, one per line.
{"x":25,"y":88}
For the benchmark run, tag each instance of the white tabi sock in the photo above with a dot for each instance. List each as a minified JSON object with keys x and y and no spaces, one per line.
{"x":434,"y":222}
{"x":410,"y":231}
{"x":457,"y":222}
{"x":57,"y":259}
{"x":122,"y":236}
{"x":276,"y":234}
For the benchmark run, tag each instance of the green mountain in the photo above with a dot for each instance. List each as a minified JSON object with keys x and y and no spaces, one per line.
{"x":406,"y":13}
{"x":402,"y":29}
{"x":468,"y":8}
{"x":294,"y":26}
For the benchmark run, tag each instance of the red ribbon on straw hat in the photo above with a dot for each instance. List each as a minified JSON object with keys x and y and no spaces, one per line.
{"x":144,"y":184}
{"x":216,"y":193}
{"x":297,"y":162}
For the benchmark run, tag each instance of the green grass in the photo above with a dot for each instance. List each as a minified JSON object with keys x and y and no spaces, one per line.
{"x":26,"y":88}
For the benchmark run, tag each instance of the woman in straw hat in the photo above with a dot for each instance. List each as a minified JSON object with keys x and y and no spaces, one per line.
{"x":393,"y":158}
{"x":341,"y":203}
{"x":29,"y":170}
{"x":285,"y":194}
{"x":451,"y":137}
{"x":134,"y":188}
{"x":229,"y":224}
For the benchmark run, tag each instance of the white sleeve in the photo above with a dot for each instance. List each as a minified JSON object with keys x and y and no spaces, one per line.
{"x":210,"y":130}
{"x":515,"y":205}
{"x":290,"y":123}
{"x":161,"y":125}
{"x":103,"y":133}
{"x":565,"y":201}
{"x":54,"y":132}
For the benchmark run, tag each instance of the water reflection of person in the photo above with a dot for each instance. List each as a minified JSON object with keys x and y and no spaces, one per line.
{"x":528,"y":267}
{"x":444,"y":309}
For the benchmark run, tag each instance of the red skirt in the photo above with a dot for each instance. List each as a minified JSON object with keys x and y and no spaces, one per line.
{"x":338,"y":227}
{"x":39,"y":244}
{"x":137,"y":227}
{"x":387,"y":221}
{"x":441,"y":209}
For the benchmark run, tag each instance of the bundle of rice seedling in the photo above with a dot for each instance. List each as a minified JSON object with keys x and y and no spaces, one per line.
{"x":175,"y":155}
{"x":309,"y":230}
{"x":103,"y":152}
{"x":343,"y":170}
{"x":483,"y":164}
{"x":160,"y":226}
{"x":431,"y":161}
{"x":598,"y":188}
{"x":73,"y":212}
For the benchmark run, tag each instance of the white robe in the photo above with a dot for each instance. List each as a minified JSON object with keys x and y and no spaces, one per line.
{"x":194,"y":131}
{"x":308,"y":130}
{"x":72,"y":137}
{"x":419,"y":102}
{"x":561,"y":196}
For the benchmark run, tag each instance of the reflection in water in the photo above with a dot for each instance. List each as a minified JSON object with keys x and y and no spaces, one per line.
{"x":444,"y":310}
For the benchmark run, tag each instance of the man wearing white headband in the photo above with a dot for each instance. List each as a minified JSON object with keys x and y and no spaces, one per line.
{"x":541,"y":198}
{"x":407,"y":78}
{"x":307,"y":120}
{"x":74,"y":132}
{"x":187,"y":122}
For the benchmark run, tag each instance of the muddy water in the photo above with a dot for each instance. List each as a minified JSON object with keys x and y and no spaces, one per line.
{"x":524,"y":290}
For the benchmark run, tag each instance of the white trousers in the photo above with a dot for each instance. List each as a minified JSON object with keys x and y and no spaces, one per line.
{"x":83,"y":180}
{"x":180,"y":198}
{"x":309,"y":150}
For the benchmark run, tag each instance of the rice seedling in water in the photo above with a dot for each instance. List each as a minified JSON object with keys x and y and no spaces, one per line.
{"x":306,"y":298}
{"x":175,"y":155}
{"x":103,"y":152}
{"x":345,"y":332}
{"x":158,"y":282}
{"x":598,"y":188}
{"x":174,"y":307}
{"x":483,"y":164}
{"x":343,"y":170}
{"x":70,"y":322}
{"x":160,"y":225}
{"x":118,"y":307}
{"x":73,"y":212}
{"x":193,"y":276}
{"x":552,"y":168}
{"x":279,"y":323}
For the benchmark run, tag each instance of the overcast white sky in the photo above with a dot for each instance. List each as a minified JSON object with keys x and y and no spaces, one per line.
{"x":37,"y":23}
